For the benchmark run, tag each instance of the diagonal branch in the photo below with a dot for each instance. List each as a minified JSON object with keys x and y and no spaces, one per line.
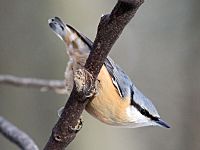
{"x":16,"y":136}
{"x":44,"y":85}
{"x":109,"y":29}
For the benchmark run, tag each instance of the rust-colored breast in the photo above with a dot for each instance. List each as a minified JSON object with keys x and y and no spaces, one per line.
{"x":108,"y":106}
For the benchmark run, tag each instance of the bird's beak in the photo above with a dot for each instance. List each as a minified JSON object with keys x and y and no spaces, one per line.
{"x":161,"y":123}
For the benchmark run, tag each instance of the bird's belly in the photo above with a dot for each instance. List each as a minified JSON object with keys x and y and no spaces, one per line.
{"x":108,"y":106}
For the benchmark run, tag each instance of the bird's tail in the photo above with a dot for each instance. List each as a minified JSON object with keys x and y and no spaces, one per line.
{"x":72,"y":38}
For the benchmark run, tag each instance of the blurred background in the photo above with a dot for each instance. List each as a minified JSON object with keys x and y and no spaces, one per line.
{"x":159,"y":50}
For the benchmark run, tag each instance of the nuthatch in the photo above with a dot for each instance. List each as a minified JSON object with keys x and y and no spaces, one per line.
{"x":118,"y":102}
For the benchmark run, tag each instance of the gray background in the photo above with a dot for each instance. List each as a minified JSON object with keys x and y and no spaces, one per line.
{"x":159,"y":50}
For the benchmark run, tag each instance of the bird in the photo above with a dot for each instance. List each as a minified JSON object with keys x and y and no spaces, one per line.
{"x":118,"y":102}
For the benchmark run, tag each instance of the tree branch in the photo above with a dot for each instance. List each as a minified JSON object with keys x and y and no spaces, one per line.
{"x":44,"y":85}
{"x":16,"y":136}
{"x":109,"y":29}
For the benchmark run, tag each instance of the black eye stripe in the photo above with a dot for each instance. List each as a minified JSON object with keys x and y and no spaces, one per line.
{"x":142,"y":110}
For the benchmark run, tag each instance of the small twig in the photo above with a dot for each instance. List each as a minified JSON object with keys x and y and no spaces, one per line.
{"x":16,"y":136}
{"x":109,"y":29}
{"x":44,"y":85}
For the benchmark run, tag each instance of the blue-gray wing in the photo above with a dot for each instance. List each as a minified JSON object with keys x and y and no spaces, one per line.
{"x":119,"y":78}
{"x":126,"y":88}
